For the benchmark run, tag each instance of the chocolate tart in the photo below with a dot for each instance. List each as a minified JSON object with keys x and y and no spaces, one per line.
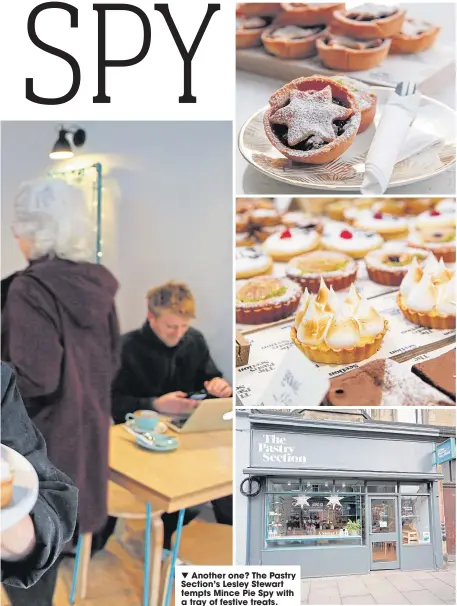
{"x":348,"y":54}
{"x":369,"y":21}
{"x":414,"y":37}
{"x":337,"y":270}
{"x":291,"y":41}
{"x":249,"y":31}
{"x":439,"y":373}
{"x":300,"y":13}
{"x":312,"y":120}
{"x":266,"y":299}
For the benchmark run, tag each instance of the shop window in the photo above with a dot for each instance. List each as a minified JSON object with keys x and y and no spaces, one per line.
{"x":314,"y":520}
{"x":315,"y":485}
{"x":349,"y":486}
{"x":415,"y":519}
{"x":283,"y":484}
{"x":382,"y":487}
{"x":421,"y":488}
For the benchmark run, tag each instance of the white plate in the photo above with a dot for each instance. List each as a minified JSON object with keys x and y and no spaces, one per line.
{"x":25,"y":489}
{"x":346,"y":172}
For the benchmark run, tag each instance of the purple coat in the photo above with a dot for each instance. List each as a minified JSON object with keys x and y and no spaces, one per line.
{"x":61,"y":337}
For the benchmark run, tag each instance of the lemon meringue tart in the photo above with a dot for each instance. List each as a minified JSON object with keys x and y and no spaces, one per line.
{"x":341,"y":328}
{"x":266,"y":299}
{"x":427,"y":295}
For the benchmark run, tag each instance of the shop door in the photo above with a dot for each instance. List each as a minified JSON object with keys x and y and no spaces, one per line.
{"x":449,"y":518}
{"x":384,"y":533}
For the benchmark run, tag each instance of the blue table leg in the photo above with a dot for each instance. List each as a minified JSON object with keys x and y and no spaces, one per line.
{"x":174,"y":556}
{"x":74,"y":581}
{"x":147,"y":555}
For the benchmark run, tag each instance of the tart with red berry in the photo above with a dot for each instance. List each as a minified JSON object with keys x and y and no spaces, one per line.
{"x":389,"y":267}
{"x":415,"y":37}
{"x":283,"y":246}
{"x":435,"y":218}
{"x":264,"y":232}
{"x":439,"y":241}
{"x":300,"y":13}
{"x":369,"y":21}
{"x":266,"y":299}
{"x":350,"y":54}
{"x":364,"y":96}
{"x":389,"y":227}
{"x":356,"y":243}
{"x":337,"y":270}
{"x":312,"y":120}
{"x":249,"y":30}
{"x":292,"y":41}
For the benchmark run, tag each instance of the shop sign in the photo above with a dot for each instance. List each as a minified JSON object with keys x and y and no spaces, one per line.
{"x":277,"y":449}
{"x":445,"y":451}
{"x":426,"y":537}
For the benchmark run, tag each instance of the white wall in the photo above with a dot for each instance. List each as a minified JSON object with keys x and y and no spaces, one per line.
{"x":167,"y":204}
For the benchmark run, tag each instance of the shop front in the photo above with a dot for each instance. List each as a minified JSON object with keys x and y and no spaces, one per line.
{"x":342,"y":498}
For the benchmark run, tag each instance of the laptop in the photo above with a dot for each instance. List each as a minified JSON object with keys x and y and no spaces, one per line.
{"x":209,"y":415}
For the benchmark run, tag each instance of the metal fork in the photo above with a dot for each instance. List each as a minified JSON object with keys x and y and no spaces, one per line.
{"x":406,"y":88}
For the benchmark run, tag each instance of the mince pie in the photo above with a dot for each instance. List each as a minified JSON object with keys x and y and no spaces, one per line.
{"x":364,"y":96}
{"x":312,"y":120}
{"x":369,"y":21}
{"x":266,"y":299}
{"x":249,"y":31}
{"x":349,"y":54}
{"x":291,"y":41}
{"x":300,"y":13}
{"x":414,"y":37}
{"x":257,"y":9}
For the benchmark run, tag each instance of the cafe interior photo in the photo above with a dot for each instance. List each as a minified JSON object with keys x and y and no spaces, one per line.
{"x":148,"y":213}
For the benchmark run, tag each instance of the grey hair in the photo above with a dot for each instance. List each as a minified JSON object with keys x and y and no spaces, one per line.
{"x":53,"y":217}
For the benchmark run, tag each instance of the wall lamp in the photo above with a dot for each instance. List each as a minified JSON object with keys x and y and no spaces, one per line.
{"x":62,"y":149}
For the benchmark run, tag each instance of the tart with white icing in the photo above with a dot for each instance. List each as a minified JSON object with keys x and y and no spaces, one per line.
{"x":266,"y":299}
{"x":427,"y":295}
{"x":291,"y":41}
{"x":265,"y":216}
{"x":350,"y":54}
{"x":370,"y":21}
{"x":434,"y":218}
{"x":337,"y":270}
{"x":301,"y":13}
{"x":312,"y":120}
{"x":416,"y":206}
{"x":244,"y":205}
{"x":389,"y":227}
{"x":389,"y":267}
{"x":288,"y":243}
{"x":264,"y":232}
{"x":439,"y":241}
{"x":249,"y":30}
{"x":364,"y":96}
{"x":447,"y":205}
{"x":390,"y":207}
{"x":7,"y":478}
{"x":251,"y":261}
{"x":415,"y":36}
{"x":356,"y":243}
{"x":338,"y":328}
{"x":245,"y":238}
{"x":297,"y":218}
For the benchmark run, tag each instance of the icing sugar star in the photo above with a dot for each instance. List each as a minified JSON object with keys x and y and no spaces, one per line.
{"x":333,"y":501}
{"x":310,"y":114}
{"x":301,"y":501}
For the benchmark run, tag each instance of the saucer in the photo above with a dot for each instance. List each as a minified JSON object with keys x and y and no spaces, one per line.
{"x":160,"y":444}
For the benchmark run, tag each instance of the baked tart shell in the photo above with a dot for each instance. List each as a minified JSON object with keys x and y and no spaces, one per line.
{"x":258,"y":9}
{"x":337,"y":282}
{"x":340,"y":356}
{"x":428,"y":320}
{"x":387,"y":278}
{"x":247,"y":241}
{"x":447,"y":253}
{"x":332,"y":150}
{"x":350,"y":59}
{"x":248,"y":38}
{"x":405,"y":45}
{"x":289,"y":49}
{"x":308,"y":14}
{"x":366,"y":30}
{"x":267,"y":312}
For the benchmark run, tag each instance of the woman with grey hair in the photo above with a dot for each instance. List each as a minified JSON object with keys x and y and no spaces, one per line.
{"x":60,"y":336}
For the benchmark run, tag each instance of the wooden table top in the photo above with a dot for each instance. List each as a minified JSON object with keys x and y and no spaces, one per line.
{"x":200,"y":470}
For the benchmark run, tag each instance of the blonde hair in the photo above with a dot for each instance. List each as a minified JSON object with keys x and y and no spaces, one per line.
{"x":172,"y":297}
{"x":52,"y":216}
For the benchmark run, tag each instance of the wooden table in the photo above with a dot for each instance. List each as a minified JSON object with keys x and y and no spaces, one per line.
{"x":200,"y":470}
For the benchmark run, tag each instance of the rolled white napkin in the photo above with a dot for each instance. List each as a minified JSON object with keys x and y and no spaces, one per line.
{"x":388,"y":145}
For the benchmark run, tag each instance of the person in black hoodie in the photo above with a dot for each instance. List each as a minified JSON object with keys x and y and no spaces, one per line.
{"x":30,"y":550}
{"x":60,"y":335}
{"x":161,"y":363}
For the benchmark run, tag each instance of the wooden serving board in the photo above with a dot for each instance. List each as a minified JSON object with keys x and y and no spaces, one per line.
{"x":430,"y":70}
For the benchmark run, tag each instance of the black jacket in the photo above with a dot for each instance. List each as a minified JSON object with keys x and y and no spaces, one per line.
{"x":150,"y":369}
{"x":54,"y":514}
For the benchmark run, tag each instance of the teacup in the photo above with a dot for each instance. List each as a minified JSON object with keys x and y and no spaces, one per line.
{"x":142,"y":420}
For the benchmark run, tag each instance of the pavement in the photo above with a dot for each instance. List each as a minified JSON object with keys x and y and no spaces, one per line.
{"x":383,"y":587}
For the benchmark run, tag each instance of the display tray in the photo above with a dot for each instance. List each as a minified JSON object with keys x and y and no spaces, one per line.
{"x":404,"y":342}
{"x":430,"y":70}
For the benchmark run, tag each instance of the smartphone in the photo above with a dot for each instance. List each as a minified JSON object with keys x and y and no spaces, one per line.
{"x":197,"y":396}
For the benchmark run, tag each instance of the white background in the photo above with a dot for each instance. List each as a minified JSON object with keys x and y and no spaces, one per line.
{"x":149,"y":90}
